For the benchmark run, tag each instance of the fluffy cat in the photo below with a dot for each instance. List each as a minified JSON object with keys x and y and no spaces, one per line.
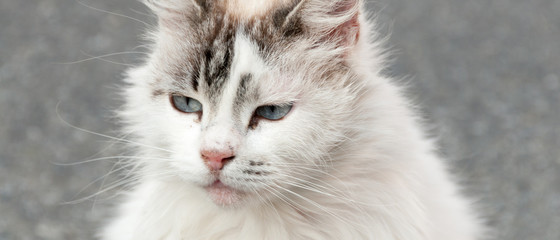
{"x":272,"y":120}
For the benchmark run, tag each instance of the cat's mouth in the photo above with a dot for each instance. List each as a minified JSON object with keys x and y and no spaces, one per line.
{"x":224,"y":195}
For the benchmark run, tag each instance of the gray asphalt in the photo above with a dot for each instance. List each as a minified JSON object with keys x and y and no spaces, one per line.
{"x":486,"y":74}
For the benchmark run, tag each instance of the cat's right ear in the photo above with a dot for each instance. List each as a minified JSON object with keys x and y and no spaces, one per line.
{"x":336,"y":21}
{"x":173,"y":12}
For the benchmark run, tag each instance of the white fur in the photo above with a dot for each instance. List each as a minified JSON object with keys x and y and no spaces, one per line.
{"x":379,"y":178}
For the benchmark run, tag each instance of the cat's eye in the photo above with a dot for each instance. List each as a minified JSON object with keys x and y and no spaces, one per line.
{"x":186,"y":104}
{"x":273,"y":112}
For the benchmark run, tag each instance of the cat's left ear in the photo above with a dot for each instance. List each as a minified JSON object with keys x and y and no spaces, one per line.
{"x":335,"y":21}
{"x":172,"y":13}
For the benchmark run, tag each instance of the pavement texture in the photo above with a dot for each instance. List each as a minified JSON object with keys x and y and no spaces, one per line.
{"x":486,"y":73}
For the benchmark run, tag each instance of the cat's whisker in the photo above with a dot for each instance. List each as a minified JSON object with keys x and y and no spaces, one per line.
{"x":278,"y":195}
{"x":143,"y":13}
{"x":102,"y":57}
{"x":104,"y":135}
{"x":107,"y":158}
{"x":119,"y":183}
{"x":311,"y":189}
{"x":317,"y":205}
{"x":293,"y":204}
{"x":332,"y":192}
{"x":133,"y":168}
{"x":266,"y":201}
{"x":144,"y":46}
{"x":127,"y":178}
{"x":113,"y":13}
{"x":311,"y":186}
{"x":109,"y":145}
{"x":91,"y":57}
{"x":287,"y":200}
{"x":103,"y":182}
{"x":316,"y":170}
{"x":93,"y":182}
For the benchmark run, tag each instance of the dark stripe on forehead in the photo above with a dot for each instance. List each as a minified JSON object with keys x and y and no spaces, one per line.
{"x":243,"y":85}
{"x":195,"y":76}
{"x":208,"y":57}
{"x":276,"y":31}
{"x":204,"y":5}
{"x":217,"y":55}
{"x":214,"y":40}
{"x":246,"y":92}
{"x":218,"y":63}
{"x":286,"y":24}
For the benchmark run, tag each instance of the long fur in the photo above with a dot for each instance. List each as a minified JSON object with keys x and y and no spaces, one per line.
{"x":350,"y":161}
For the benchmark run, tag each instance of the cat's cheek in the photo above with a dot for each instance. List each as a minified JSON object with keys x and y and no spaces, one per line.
{"x":266,"y":144}
{"x":182,"y":133}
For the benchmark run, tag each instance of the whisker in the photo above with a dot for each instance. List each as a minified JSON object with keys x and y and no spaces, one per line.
{"x":101,"y":57}
{"x":113,"y":13}
{"x":290,"y":202}
{"x":96,"y":180}
{"x":117,"y":184}
{"x":145,"y":46}
{"x":142,"y":13}
{"x":266,"y":201}
{"x":107,"y":158}
{"x":316,"y":170}
{"x":104,"y":135}
{"x":91,"y":57}
{"x":102,"y":184}
{"x":315,"y":204}
{"x":334,"y":194}
{"x":309,"y":188}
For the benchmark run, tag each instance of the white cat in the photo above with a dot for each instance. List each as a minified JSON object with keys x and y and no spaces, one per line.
{"x":271,"y":120}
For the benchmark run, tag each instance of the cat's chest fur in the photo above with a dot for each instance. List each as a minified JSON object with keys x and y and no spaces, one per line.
{"x":272,"y":120}
{"x":192,"y":217}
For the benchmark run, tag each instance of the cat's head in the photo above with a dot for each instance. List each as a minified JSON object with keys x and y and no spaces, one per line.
{"x":248,"y":99}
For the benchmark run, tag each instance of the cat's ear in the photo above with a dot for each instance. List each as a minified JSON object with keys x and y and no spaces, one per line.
{"x":331,"y":20}
{"x":171,"y":12}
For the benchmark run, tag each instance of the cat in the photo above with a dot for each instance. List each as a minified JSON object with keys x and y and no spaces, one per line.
{"x":273,"y":120}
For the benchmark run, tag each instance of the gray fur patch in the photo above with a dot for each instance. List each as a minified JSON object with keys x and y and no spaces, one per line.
{"x":244,"y":92}
{"x":217,"y":57}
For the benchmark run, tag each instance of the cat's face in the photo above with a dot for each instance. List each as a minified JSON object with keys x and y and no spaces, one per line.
{"x":247,"y":109}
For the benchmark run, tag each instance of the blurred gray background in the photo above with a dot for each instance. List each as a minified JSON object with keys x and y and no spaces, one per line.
{"x":487,"y":74}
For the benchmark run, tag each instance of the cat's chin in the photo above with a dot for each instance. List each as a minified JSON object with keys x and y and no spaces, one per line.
{"x":223,"y":195}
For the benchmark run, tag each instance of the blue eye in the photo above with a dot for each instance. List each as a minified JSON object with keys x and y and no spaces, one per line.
{"x":186,"y":104}
{"x":273,"y":112}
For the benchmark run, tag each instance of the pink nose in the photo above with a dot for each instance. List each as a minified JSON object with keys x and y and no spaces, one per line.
{"x":215,"y":160}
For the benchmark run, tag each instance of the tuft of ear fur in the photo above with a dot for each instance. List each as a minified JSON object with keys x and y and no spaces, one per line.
{"x":330,"y":20}
{"x":171,"y":7}
{"x":176,"y":12}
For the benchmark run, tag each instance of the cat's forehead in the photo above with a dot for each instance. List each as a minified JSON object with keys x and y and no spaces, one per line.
{"x":230,"y":73}
{"x":197,"y":46}
{"x":246,"y":9}
{"x":238,"y":73}
{"x":235,"y":78}
{"x":224,"y":50}
{"x":265,"y":22}
{"x":226,"y":59}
